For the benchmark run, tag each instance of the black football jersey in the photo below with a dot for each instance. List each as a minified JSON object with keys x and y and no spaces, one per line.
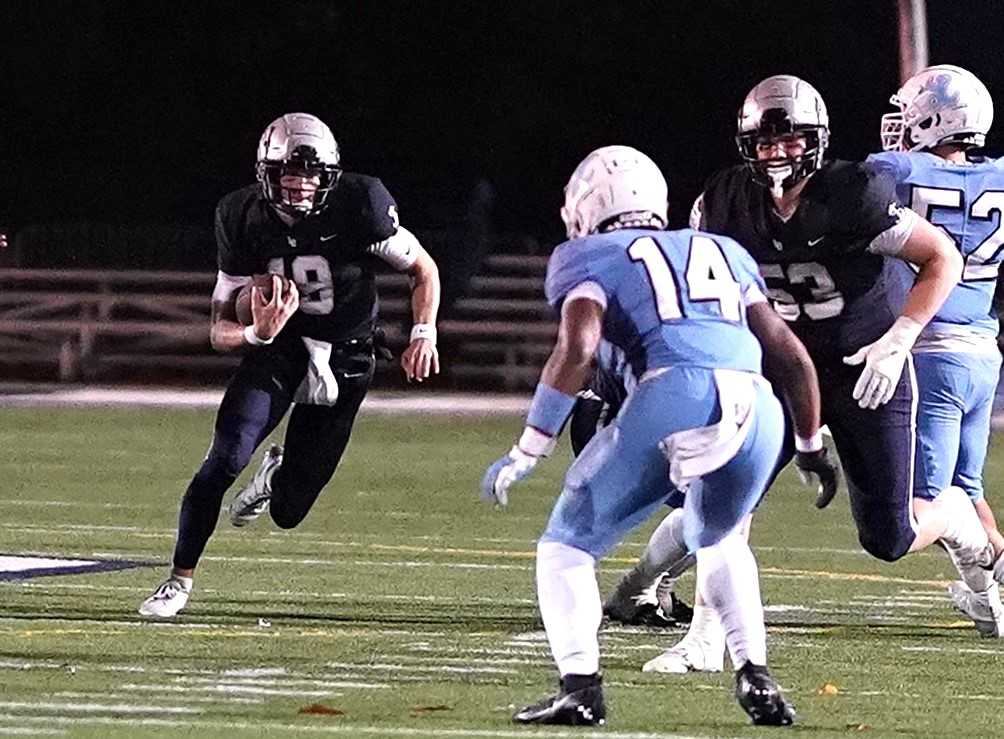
{"x":820,"y":275}
{"x":326,"y":255}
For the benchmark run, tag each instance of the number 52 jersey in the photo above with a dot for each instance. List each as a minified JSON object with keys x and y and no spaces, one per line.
{"x":966,"y":199}
{"x":826,"y":266}
{"x":672,"y":298}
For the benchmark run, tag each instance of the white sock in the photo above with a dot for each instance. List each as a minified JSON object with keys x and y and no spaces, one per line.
{"x":706,"y":626}
{"x":963,"y":527}
{"x":729,"y":582}
{"x":186,"y":582}
{"x":666,"y":546}
{"x":569,"y":599}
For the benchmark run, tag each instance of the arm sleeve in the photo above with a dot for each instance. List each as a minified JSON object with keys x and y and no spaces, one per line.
{"x":227,"y":285}
{"x":890,"y":242}
{"x":399,"y":250}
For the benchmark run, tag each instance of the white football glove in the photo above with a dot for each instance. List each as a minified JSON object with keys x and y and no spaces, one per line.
{"x":883,"y":360}
{"x":511,"y":468}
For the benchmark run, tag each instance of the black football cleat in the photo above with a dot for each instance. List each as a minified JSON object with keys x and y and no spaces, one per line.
{"x":579,"y":702}
{"x":680,"y":612}
{"x":761,"y":697}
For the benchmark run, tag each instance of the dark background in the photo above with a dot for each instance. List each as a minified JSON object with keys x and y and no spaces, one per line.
{"x":145,"y":113}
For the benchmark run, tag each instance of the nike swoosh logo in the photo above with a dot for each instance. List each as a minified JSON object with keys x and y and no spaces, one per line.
{"x":813,"y":242}
{"x":329,"y":237}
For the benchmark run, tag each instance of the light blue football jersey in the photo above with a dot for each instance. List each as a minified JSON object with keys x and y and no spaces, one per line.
{"x":674,"y":298}
{"x":966,"y":200}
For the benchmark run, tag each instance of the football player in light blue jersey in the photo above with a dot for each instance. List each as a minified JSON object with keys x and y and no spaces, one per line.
{"x":687,"y":308}
{"x":944,"y":113}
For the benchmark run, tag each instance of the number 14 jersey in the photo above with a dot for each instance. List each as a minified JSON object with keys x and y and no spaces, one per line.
{"x":672,"y":298}
{"x":825,"y":266}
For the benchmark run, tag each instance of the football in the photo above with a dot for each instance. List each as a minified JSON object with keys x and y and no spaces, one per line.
{"x":243,"y":304}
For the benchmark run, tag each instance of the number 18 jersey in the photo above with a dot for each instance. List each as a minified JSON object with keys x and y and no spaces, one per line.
{"x":672,"y":298}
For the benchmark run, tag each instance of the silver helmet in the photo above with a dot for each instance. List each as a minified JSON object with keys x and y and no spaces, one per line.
{"x":781,"y":105}
{"x":942,"y":104}
{"x":300,"y":145}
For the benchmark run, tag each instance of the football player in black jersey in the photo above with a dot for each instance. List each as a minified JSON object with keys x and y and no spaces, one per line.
{"x":823,"y":233}
{"x":310,"y":345}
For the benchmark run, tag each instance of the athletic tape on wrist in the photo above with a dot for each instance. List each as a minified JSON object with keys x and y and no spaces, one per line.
{"x":811,"y":444}
{"x":254,"y":339}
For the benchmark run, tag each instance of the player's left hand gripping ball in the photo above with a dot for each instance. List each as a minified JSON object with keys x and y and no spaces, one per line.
{"x":883,"y":360}
{"x":513,"y":467}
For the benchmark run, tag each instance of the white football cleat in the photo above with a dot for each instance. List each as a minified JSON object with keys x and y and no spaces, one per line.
{"x":690,"y":654}
{"x":167,"y":600}
{"x":985,"y":609}
{"x":252,"y":500}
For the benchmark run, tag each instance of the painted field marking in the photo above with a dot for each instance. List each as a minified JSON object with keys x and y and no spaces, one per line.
{"x":162,"y":688}
{"x":29,"y":731}
{"x":97,"y":707}
{"x":254,"y":681}
{"x":304,"y":728}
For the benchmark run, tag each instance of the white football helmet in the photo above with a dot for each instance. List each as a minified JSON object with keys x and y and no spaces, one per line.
{"x":614,"y":182}
{"x":942,"y":104}
{"x":300,"y":145}
{"x":778,"y":106}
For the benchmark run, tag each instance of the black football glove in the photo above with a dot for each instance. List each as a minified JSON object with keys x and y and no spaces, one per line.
{"x":380,"y":346}
{"x":817,"y":467}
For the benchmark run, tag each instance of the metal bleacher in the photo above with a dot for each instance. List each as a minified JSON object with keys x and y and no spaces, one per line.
{"x":101,"y":325}
{"x":502,"y":330}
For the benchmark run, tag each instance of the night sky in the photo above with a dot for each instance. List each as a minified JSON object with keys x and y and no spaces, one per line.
{"x":140,"y":112}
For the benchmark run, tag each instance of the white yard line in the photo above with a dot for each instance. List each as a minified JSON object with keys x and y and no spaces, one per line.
{"x":376,"y":402}
{"x":354,"y":730}
{"x":29,"y":731}
{"x":72,"y":707}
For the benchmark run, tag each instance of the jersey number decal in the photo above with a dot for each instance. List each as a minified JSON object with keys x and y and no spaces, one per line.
{"x":983,"y":262}
{"x":708,"y":277}
{"x":312,"y":276}
{"x":827,"y":301}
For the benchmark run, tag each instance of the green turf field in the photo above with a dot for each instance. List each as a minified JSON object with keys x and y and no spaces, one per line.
{"x":403,"y":607}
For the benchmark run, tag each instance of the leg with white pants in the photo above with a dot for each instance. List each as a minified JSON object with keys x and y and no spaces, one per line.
{"x":620,"y":479}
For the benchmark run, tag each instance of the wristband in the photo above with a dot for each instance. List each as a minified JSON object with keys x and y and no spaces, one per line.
{"x":535,"y":443}
{"x":809,"y":444}
{"x":549,"y":410}
{"x":423,"y":331}
{"x":254,"y":339}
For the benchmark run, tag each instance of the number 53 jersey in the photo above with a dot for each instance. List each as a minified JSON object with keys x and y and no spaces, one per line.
{"x":826,"y":266}
{"x":331,"y":256}
{"x":672,"y":298}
